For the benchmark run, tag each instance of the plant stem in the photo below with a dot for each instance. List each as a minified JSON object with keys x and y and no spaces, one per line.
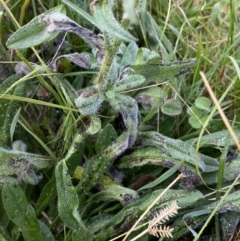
{"x":111,"y":50}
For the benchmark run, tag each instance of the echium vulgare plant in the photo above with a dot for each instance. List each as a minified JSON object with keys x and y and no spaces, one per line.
{"x":123,"y":68}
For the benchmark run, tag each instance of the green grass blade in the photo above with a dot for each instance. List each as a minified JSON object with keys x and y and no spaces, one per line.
{"x":80,"y":11}
{"x":48,"y":193}
{"x":9,"y":108}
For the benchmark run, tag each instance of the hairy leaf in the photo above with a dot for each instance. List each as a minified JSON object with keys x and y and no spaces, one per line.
{"x":160,"y":72}
{"x":21,"y":212}
{"x":129,"y":82}
{"x":129,"y":54}
{"x":106,"y":21}
{"x":68,"y":201}
{"x":131,"y":212}
{"x":96,"y":166}
{"x":88,"y":105}
{"x":59,"y":22}
{"x":9,"y":108}
{"x":118,"y":193}
{"x":128,"y":108}
{"x":179,"y":150}
{"x":106,"y":137}
{"x":33,"y":33}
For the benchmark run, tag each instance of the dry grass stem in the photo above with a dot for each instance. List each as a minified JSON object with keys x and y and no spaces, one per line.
{"x":148,"y":209}
{"x":224,"y":118}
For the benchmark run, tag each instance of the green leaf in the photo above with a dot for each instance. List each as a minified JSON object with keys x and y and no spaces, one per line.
{"x":106,"y":137}
{"x":198,"y":215}
{"x":203,"y":103}
{"x":94,"y":225}
{"x":153,"y":156}
{"x":229,"y":224}
{"x":106,"y":21}
{"x":129,"y":82}
{"x":172,"y":107}
{"x":117,"y":193}
{"x":231,"y":170}
{"x":14,"y":123}
{"x":194,"y":122}
{"x":97,"y":165}
{"x":9,"y":108}
{"x":194,"y":214}
{"x":68,"y":201}
{"x":215,"y":139}
{"x":21,"y":212}
{"x":94,"y":125}
{"x":139,"y":58}
{"x":110,"y":94}
{"x":46,"y":232}
{"x":34,"y":33}
{"x":146,"y":56}
{"x":178,"y":149}
{"x":194,"y":111}
{"x":89,"y":105}
{"x":151,"y":97}
{"x":130,"y":213}
{"x":82,"y":60}
{"x":2,"y":238}
{"x":128,"y":108}
{"x":129,"y":54}
{"x":48,"y":193}
{"x":110,"y":79}
{"x":150,"y":56}
{"x":160,"y":72}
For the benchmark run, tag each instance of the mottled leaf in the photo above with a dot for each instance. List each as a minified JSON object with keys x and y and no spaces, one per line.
{"x":96,"y":166}
{"x":131,"y":212}
{"x":117,"y":193}
{"x":151,"y":97}
{"x":68,"y":201}
{"x":106,"y":137}
{"x":128,"y":108}
{"x":160,"y":72}
{"x":33,"y":33}
{"x":178,"y":149}
{"x":82,"y":60}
